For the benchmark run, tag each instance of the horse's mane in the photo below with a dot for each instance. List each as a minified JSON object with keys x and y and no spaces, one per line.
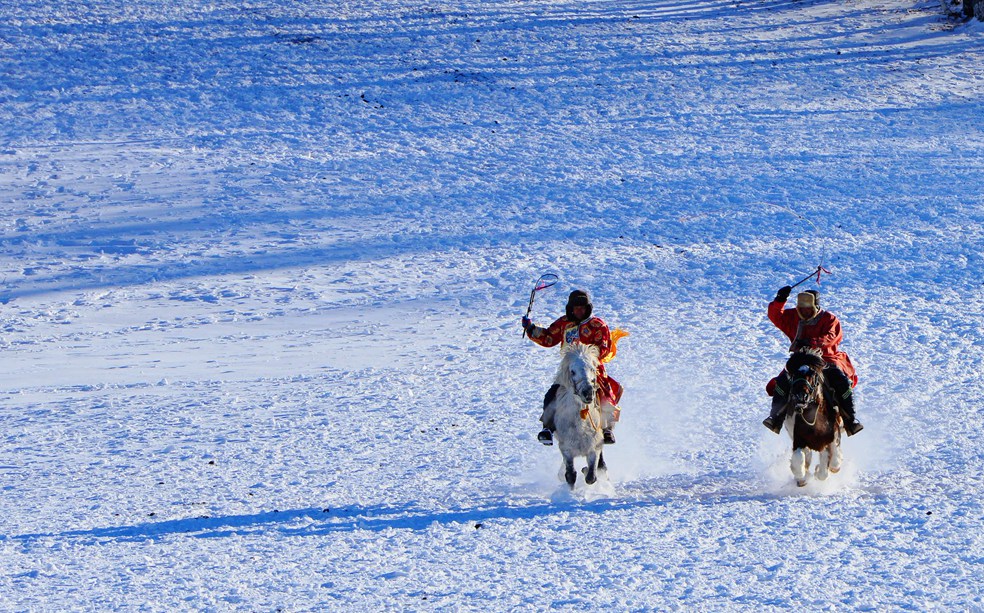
{"x":811,"y":358}
{"x":586,"y":352}
{"x":576,"y":351}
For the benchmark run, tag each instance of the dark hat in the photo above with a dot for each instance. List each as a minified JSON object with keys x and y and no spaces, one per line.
{"x":579,"y":297}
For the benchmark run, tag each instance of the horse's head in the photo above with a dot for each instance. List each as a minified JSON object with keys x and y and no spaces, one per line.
{"x":805,"y":370}
{"x":579,"y":371}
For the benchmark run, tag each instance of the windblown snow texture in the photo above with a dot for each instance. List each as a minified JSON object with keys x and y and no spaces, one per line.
{"x":264,"y":264}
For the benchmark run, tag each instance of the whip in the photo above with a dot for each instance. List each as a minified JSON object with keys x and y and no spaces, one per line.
{"x":547,"y":280}
{"x":820,"y":270}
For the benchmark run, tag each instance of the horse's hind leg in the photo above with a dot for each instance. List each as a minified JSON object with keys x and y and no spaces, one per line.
{"x":836,"y":457}
{"x":601,"y":461}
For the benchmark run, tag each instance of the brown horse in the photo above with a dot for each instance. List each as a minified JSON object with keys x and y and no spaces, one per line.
{"x":811,"y":418}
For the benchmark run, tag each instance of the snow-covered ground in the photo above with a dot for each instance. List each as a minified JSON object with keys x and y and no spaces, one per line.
{"x":264,"y":262}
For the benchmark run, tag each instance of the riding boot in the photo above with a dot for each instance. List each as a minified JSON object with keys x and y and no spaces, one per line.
{"x":844,"y":399}
{"x":846,"y":407}
{"x":547,"y":416}
{"x":609,"y":436}
{"x":776,"y":414}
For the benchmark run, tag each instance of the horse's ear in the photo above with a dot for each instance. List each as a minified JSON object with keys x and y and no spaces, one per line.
{"x":805,"y":357}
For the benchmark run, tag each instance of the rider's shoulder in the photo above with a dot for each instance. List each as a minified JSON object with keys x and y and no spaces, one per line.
{"x":595,"y":322}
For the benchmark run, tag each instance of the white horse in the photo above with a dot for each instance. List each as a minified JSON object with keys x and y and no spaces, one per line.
{"x":577,"y":412}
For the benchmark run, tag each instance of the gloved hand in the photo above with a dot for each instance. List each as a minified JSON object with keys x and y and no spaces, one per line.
{"x":783,"y":293}
{"x":527,"y":322}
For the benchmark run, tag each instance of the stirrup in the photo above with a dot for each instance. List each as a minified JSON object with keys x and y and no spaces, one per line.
{"x":545,"y":437}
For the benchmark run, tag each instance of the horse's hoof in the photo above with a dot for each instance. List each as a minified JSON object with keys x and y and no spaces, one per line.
{"x":834,"y":470}
{"x":801,"y":482}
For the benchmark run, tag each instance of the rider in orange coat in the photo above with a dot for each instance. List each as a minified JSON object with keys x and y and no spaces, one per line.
{"x":576,"y":326}
{"x":809,"y":326}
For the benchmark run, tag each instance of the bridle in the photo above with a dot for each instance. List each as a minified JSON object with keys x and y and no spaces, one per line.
{"x":814,"y":392}
{"x":585,"y":412}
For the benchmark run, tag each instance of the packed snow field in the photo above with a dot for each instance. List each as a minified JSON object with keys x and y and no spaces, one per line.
{"x":264,"y":263}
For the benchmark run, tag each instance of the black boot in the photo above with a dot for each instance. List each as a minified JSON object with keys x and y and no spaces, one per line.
{"x":609,"y":436}
{"x":776,"y":414}
{"x":773,"y":423}
{"x":547,"y":417}
{"x":851,"y":424}
{"x":844,"y":397}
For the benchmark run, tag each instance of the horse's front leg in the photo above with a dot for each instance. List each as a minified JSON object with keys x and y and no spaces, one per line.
{"x":591,"y":474}
{"x":569,"y":474}
{"x":797,"y":464}
{"x":822,"y":465}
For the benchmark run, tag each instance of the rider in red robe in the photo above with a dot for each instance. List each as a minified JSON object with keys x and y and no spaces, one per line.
{"x":577,"y":326}
{"x":809,"y":326}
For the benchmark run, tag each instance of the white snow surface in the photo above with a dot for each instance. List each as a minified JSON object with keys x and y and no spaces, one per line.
{"x":264,"y":263}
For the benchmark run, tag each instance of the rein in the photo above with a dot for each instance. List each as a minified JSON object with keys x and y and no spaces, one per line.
{"x":811,"y":389}
{"x":586,"y":414}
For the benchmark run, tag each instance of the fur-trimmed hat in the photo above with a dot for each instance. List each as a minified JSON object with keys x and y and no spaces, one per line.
{"x":809,"y":298}
{"x":579,"y":297}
